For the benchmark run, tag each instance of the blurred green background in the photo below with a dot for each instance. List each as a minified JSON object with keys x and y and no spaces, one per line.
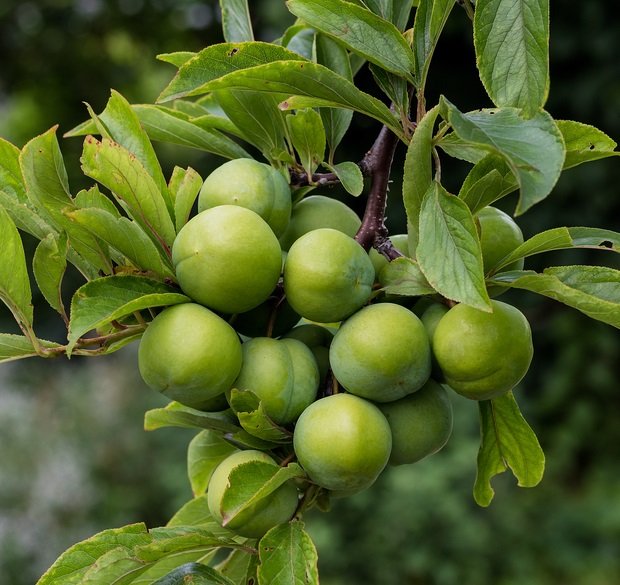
{"x":74,"y":458}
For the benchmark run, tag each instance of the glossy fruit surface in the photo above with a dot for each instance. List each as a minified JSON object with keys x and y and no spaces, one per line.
{"x":343,"y":442}
{"x":282,"y":373}
{"x":327,"y":276}
{"x":381,"y":353}
{"x":227,"y":258}
{"x":268,"y":512}
{"x":421,"y":423}
{"x":189,"y":354}
{"x":499,"y":235}
{"x":483,"y":355}
{"x":318,"y":211}
{"x":251,"y":184}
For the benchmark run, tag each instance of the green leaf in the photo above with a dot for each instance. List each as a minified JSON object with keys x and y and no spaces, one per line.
{"x":15,"y":347}
{"x":196,"y":513}
{"x":240,"y":567}
{"x":15,"y":290}
{"x":430,"y":19}
{"x":184,"y":187}
{"x":120,"y":171}
{"x":204,"y":453}
{"x":312,"y":84}
{"x":127,"y":237}
{"x":177,"y":59}
{"x":449,"y":252}
{"x":350,"y":177}
{"x":49,"y":264}
{"x":70,"y":567}
{"x":196,"y":574}
{"x":507,"y":441}
{"x":236,"y":21}
{"x":307,"y":135}
{"x":363,"y":32}
{"x":489,"y":180}
{"x":287,"y":556}
{"x":519,"y":142}
{"x":219,"y":60}
{"x":104,"y":300}
{"x":511,"y":38}
{"x":562,"y":238}
{"x":394,"y":87}
{"x":402,"y":276}
{"x":169,"y":563}
{"x":250,"y":482}
{"x":593,"y":290}
{"x":95,"y":198}
{"x":396,"y":11}
{"x":585,"y":143}
{"x":178,"y":415}
{"x":418,"y":169}
{"x":253,"y":418}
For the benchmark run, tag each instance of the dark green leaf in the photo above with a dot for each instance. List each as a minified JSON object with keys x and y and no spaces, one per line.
{"x":489,"y":180}
{"x":15,"y":347}
{"x":194,"y":574}
{"x":184,"y":187}
{"x":511,"y":38}
{"x":396,"y":11}
{"x":205,"y":452}
{"x":287,"y":556}
{"x":49,"y":264}
{"x":507,"y":441}
{"x":449,"y":252}
{"x":394,"y":87}
{"x":584,"y":143}
{"x":403,"y":276}
{"x":107,"y":299}
{"x":236,"y":21}
{"x":307,"y":135}
{"x":240,"y":567}
{"x":363,"y":32}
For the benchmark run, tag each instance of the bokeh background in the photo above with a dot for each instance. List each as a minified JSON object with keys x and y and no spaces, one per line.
{"x":73,"y":456}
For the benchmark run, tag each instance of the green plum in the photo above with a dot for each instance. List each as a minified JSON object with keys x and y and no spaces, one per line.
{"x":190,"y":355}
{"x":318,"y":339}
{"x":430,"y":318}
{"x":381,"y":353}
{"x":227,"y":258}
{"x":327,"y":276}
{"x":483,"y":355}
{"x":499,"y":235}
{"x":252,"y":184}
{"x":256,"y":520}
{"x":421,"y":423}
{"x":318,"y":211}
{"x":379,"y":261}
{"x":343,"y":442}
{"x":282,"y":373}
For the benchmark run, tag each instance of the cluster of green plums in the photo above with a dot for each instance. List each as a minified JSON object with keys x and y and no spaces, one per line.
{"x":285,"y":305}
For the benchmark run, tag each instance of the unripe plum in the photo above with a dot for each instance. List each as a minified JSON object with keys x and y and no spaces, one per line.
{"x":282,"y":373}
{"x":255,"y":521}
{"x":318,"y":339}
{"x":327,"y":276}
{"x":379,"y":261}
{"x":499,"y":235}
{"x":483,"y":355}
{"x":251,"y":184}
{"x":343,"y":442}
{"x":189,"y":354}
{"x":421,"y":423}
{"x":381,"y":353}
{"x":227,"y":258}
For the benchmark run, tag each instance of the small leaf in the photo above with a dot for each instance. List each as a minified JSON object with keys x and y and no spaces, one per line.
{"x":585,"y":143}
{"x":511,"y":38}
{"x":177,"y":59}
{"x":308,"y":137}
{"x":204,"y":453}
{"x":350,"y":177}
{"x":49,"y":264}
{"x":394,"y":87}
{"x":184,"y":187}
{"x":107,"y":299}
{"x":287,"y":556}
{"x":240,"y":567}
{"x":196,"y":513}
{"x":402,"y":276}
{"x":236,"y":21}
{"x":449,"y":252}
{"x":178,"y":415}
{"x":194,"y":573}
{"x":15,"y":347}
{"x":488,"y":181}
{"x":363,"y":32}
{"x":507,"y":441}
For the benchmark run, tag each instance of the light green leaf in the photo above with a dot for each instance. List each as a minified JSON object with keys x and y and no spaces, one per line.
{"x":363,"y":32}
{"x":250,"y":482}
{"x":402,"y":276}
{"x":107,"y":299}
{"x":115,"y":167}
{"x":240,"y":567}
{"x":127,"y":237}
{"x":593,"y":290}
{"x":449,"y":252}
{"x":287,"y":556}
{"x":177,"y":59}
{"x":95,"y":198}
{"x":204,"y":453}
{"x":519,"y":142}
{"x":350,"y":176}
{"x":49,"y":264}
{"x":307,"y":135}
{"x":430,"y":19}
{"x":511,"y":38}
{"x":488,"y":181}
{"x":196,"y":513}
{"x":196,"y":574}
{"x":70,"y":567}
{"x":184,"y":187}
{"x":418,"y":169}
{"x":15,"y":290}
{"x":585,"y":143}
{"x":219,"y":60}
{"x":178,"y":415}
{"x":236,"y":21}
{"x":16,"y":347}
{"x":171,"y":562}
{"x":507,"y":441}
